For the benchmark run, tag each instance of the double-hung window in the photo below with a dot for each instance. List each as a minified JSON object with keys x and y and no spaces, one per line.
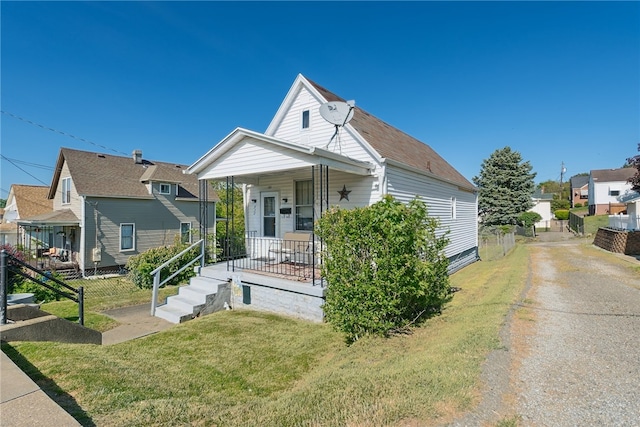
{"x":127,"y":237}
{"x":185,"y":232}
{"x":305,"y":119}
{"x":304,"y":206}
{"x":66,"y":190}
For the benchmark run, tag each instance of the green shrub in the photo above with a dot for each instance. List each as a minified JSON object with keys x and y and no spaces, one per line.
{"x":42,"y":294}
{"x":528,"y":219}
{"x":577,"y":205}
{"x":385,"y":266}
{"x":562,"y":214}
{"x":14,"y":280}
{"x":140,"y":266}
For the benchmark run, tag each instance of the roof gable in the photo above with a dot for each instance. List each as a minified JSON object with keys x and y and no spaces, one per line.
{"x":31,"y":200}
{"x":388,"y":142}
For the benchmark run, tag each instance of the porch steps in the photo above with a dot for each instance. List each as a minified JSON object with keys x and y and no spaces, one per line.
{"x":191,"y":300}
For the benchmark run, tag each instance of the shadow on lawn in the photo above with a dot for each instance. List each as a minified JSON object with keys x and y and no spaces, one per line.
{"x":51,"y":389}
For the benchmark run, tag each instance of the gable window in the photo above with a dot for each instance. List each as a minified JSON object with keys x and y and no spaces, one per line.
{"x":305,"y":119}
{"x":127,"y":236}
{"x":185,"y":232}
{"x":304,"y":206}
{"x":66,"y":191}
{"x":165,"y":188}
{"x":454,"y":208}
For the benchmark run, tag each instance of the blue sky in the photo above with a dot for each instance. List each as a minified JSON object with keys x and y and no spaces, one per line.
{"x":555,"y":81}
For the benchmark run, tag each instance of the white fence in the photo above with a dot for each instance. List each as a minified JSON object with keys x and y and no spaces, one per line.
{"x":624,"y":222}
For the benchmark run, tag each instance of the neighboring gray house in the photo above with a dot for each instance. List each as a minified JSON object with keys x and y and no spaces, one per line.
{"x":107,"y":208}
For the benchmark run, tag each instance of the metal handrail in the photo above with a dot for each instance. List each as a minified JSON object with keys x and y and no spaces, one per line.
{"x":4,"y":267}
{"x":156,"y":273}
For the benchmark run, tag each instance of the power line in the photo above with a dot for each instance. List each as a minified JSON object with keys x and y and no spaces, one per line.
{"x":34,"y":165}
{"x":32,"y":176}
{"x":59,"y":131}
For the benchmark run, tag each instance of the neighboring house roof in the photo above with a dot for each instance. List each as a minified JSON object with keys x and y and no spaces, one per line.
{"x":629,"y":196}
{"x":31,"y":200}
{"x":395,"y":145}
{"x":105,"y":175}
{"x":579,"y":181}
{"x":608,"y":175}
{"x":61,"y":217}
{"x":539,"y":194}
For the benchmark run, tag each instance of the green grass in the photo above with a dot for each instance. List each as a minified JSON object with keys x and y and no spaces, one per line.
{"x":244,"y":368}
{"x":101,"y":295}
{"x":592,"y":223}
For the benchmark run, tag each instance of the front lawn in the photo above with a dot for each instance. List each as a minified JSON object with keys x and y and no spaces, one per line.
{"x":245,"y":368}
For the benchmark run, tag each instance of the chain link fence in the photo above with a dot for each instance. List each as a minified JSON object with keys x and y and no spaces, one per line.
{"x":494,"y":242}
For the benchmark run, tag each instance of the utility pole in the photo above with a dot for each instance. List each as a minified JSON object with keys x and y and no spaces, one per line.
{"x":563,"y":170}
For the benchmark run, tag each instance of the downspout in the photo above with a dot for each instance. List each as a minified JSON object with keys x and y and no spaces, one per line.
{"x":83,"y":234}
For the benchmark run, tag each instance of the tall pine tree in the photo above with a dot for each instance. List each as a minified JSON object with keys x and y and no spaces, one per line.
{"x":505,"y":187}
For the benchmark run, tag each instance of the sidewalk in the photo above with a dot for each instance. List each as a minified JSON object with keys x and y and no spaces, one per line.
{"x":24,"y":404}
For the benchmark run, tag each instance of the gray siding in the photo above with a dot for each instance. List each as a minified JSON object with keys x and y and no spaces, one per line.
{"x":157,"y":223}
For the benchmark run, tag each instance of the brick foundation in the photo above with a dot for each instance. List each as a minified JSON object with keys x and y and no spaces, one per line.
{"x":623,"y":242}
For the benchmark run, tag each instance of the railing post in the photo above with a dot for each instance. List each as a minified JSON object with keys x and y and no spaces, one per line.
{"x":203,"y":248}
{"x":3,"y":287}
{"x":154,"y":299}
{"x":81,"y":305}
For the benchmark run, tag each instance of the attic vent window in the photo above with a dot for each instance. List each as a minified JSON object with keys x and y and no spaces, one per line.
{"x":165,"y":189}
{"x":305,"y":119}
{"x":101,"y":156}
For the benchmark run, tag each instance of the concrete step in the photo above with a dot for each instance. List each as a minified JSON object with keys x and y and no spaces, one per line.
{"x":185,"y":303}
{"x":173,"y":314}
{"x":196,"y":294}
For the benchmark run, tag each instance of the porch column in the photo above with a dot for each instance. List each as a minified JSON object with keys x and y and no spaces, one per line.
{"x":204,"y":216}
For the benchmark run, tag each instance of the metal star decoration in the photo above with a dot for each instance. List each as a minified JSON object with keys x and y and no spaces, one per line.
{"x":344,"y":193}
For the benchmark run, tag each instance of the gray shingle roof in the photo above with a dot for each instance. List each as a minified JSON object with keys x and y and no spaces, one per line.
{"x":31,"y":199}
{"x":579,"y":181}
{"x":105,"y":175}
{"x":606,"y":175}
{"x":393,"y":144}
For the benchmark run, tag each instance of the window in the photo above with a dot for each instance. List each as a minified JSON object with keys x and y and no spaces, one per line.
{"x":185,"y":232}
{"x":66,"y":191}
{"x":614,"y":192}
{"x":453,"y":208}
{"x":165,"y":189}
{"x":305,"y":119}
{"x":127,"y":237}
{"x":304,"y":206}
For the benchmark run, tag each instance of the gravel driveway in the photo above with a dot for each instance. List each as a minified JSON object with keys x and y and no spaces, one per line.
{"x":571,"y":353}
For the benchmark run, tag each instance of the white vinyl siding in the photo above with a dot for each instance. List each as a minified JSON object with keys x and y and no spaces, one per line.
{"x":127,"y":237}
{"x":406,"y":185}
{"x":289,"y":129}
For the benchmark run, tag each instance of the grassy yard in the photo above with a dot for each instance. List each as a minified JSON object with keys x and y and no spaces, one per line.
{"x":243,"y":368}
{"x":592,"y":223}
{"x":102,"y":294}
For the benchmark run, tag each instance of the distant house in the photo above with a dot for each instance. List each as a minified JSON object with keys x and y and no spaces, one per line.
{"x":23,"y":201}
{"x":579,"y":190}
{"x":605,"y":185}
{"x":542,"y":206}
{"x":107,"y":208}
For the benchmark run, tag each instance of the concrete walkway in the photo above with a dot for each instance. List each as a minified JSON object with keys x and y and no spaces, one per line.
{"x":23,"y":403}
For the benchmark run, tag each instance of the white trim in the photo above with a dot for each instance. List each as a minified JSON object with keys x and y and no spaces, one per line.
{"x":133,"y":237}
{"x":165,"y":193}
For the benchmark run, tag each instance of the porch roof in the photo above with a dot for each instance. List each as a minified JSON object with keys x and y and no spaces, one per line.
{"x":56,"y":218}
{"x":227,"y":157}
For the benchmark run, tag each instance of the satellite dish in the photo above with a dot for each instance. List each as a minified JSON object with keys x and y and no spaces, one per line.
{"x":339,"y":114}
{"x":336,"y":112}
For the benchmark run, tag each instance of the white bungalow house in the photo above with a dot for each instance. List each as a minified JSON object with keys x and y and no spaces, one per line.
{"x":301,"y":166}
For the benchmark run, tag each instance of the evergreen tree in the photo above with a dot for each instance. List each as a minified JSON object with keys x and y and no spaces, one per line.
{"x":505,"y":187}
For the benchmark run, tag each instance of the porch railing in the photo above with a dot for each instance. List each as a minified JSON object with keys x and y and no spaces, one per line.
{"x":156,"y":273}
{"x":624,"y":222}
{"x":271,"y":256}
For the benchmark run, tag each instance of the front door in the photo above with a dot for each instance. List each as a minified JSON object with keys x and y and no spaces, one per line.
{"x":269,"y":214}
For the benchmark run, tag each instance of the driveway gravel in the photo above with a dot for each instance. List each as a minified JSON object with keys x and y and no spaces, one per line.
{"x":571,"y":354}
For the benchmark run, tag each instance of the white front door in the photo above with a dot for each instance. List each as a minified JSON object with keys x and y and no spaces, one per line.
{"x":269,"y":214}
